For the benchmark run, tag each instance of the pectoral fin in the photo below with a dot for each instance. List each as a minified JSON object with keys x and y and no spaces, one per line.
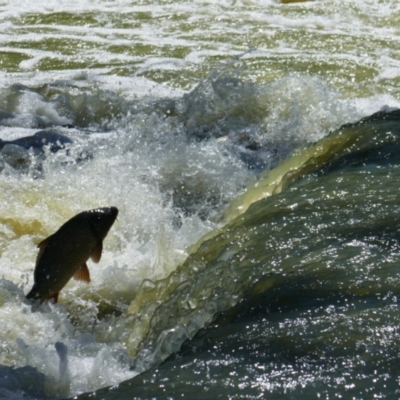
{"x":95,"y":255}
{"x":82,"y":273}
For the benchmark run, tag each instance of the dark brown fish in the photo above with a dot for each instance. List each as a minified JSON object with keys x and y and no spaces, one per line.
{"x":63,"y":255}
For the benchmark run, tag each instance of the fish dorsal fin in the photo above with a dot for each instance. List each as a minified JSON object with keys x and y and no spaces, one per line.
{"x":42,"y":246}
{"x":95,"y":255}
{"x":82,"y":273}
{"x":44,"y":242}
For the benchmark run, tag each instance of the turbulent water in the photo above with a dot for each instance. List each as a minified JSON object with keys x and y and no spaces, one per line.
{"x":255,"y":251}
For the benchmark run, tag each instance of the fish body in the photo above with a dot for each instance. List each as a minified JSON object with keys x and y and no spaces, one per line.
{"x":63,"y":255}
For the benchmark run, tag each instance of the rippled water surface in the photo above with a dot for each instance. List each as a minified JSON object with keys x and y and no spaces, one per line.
{"x":175,"y":113}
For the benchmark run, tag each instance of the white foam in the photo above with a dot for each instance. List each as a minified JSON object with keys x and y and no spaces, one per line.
{"x":370,"y":105}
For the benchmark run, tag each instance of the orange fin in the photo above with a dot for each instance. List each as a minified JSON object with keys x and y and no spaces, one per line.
{"x":95,"y":255}
{"x":53,"y":296}
{"x":82,"y":273}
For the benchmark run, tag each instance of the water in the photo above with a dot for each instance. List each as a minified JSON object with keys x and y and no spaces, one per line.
{"x":177,"y":111}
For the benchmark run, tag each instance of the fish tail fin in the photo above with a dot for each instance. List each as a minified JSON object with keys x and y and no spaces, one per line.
{"x":52,"y":296}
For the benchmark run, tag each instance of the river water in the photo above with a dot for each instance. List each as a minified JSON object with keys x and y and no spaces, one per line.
{"x":256,"y":250}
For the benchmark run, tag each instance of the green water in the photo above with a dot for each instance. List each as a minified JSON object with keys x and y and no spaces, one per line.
{"x":349,"y":44}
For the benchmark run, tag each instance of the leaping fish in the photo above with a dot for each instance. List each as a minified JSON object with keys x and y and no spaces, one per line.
{"x":63,"y":255}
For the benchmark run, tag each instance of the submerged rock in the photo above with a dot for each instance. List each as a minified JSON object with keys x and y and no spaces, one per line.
{"x":16,"y":152}
{"x":50,"y":138}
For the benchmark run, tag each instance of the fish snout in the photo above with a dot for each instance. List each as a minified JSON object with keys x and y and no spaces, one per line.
{"x":113,"y":211}
{"x":110,"y":213}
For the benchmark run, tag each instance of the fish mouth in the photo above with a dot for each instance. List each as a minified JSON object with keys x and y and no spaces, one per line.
{"x":107,"y":210}
{"x":113,"y":211}
{"x":110,"y":213}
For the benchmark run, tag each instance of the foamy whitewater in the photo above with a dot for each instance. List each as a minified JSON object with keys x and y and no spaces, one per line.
{"x":173,"y":110}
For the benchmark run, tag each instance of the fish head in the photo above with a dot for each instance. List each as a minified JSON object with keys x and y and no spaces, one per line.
{"x":101,"y":220}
